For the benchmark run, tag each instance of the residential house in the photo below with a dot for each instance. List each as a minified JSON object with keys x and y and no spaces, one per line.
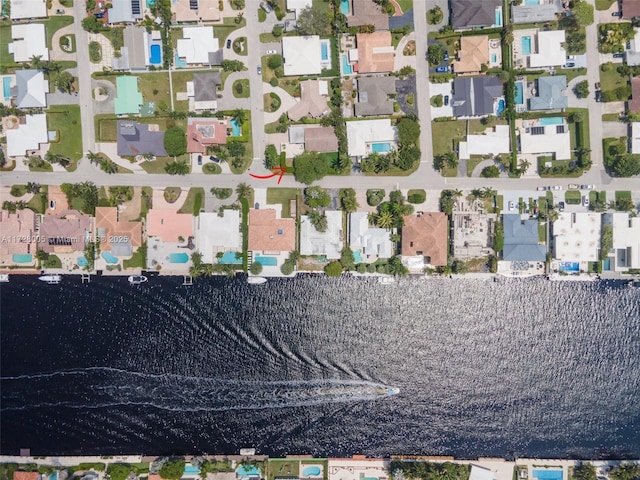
{"x":472,"y":233}
{"x":269,"y":234}
{"x":297,"y":5}
{"x":367,"y":136}
{"x":66,"y":232}
{"x":635,"y":137}
{"x":205,"y":132}
{"x":521,"y":240}
{"x":375,"y":52}
{"x":19,"y":237}
{"x":169,"y":225}
{"x":23,"y":9}
{"x":367,"y":12}
{"x":128,"y":98}
{"x":302,"y":55}
{"x":634,"y":104}
{"x":30,"y":90}
{"x":469,"y":14}
{"x":170,"y":237}
{"x":550,"y":94}
{"x":314,"y":100}
{"x":425,"y":240}
{"x":134,"y":54}
{"x":632,"y":52}
{"x":625,"y":251}
{"x":548,"y":48}
{"x":375,"y":96}
{"x":369,"y":243}
{"x":26,"y":476}
{"x":477,"y":96}
{"x":28,"y":134}
{"x":631,"y":9}
{"x":218,"y":234}
{"x":118,"y":237}
{"x":28,"y":41}
{"x":203,"y":91}
{"x":320,"y":139}
{"x":539,"y":12}
{"x":198,"y":46}
{"x":328,"y":243}
{"x":545,"y":136}
{"x":139,"y":139}
{"x":357,"y":467}
{"x":195,"y":10}
{"x":124,"y":11}
{"x":577,"y":236}
{"x":472,"y":55}
{"x":493,"y":142}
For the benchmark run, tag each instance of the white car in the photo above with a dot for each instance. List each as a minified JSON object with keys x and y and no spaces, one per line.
{"x":585,"y":201}
{"x":512,"y":206}
{"x":541,"y":189}
{"x":271,"y":52}
{"x":557,"y":187}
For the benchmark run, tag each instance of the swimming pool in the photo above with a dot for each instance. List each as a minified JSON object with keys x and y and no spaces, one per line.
{"x":383,"y":147}
{"x":547,"y":474}
{"x":191,"y":469}
{"x":178,"y":258}
{"x":500,"y":106}
{"x":266,"y":261}
{"x":344,"y":7}
{"x":324,"y":51}
{"x":155,"y":53}
{"x":526,"y":45}
{"x":551,"y":121}
{"x":311,"y":471}
{"x":230,"y":257}
{"x":236,"y":131}
{"x":494,"y":58}
{"x":6,"y":87}
{"x":530,"y":3}
{"x":248,"y":471}
{"x":346,"y":68}
{"x":563,"y":267}
{"x":498,"y":18}
{"x":82,"y":262}
{"x":357,"y":256}
{"x":53,"y":475}
{"x":108,"y":257}
{"x":178,"y":62}
{"x":519,"y":94}
{"x":151,"y":3}
{"x":22,"y":258}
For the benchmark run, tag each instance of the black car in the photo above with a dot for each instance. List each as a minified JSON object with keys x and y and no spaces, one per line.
{"x":618,"y":55}
{"x":98,"y":15}
{"x":616,"y":14}
{"x":228,"y":43}
{"x":199,"y":159}
{"x":561,"y":206}
{"x":446,"y":100}
{"x":598,"y":95}
{"x":213,"y":159}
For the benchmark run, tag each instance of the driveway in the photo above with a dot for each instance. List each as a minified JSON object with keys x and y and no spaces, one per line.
{"x":60,"y":98}
{"x":614,"y":129}
{"x":287,"y":102}
{"x":103,"y":103}
{"x":107,"y":52}
{"x":613,"y":107}
{"x":56,"y":52}
{"x":442,"y":89}
{"x":405,"y":87}
{"x":401,"y":60}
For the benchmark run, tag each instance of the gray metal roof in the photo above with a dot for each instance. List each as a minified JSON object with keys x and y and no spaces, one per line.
{"x":24,"y":97}
{"x":134,"y":41}
{"x":473,"y":13}
{"x":135,"y":139}
{"x":549,"y":94}
{"x":521,"y":240}
{"x":474,"y":96}
{"x":373,"y":96}
{"x":536,"y":13}
{"x":205,"y":86}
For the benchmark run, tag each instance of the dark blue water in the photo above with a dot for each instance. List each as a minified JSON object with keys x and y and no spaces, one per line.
{"x":531,"y":368}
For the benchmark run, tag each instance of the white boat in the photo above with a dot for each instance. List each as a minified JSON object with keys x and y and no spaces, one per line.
{"x":51,"y":279}
{"x":393,"y":391}
{"x":4,"y":277}
{"x":386,"y":280}
{"x":137,"y":279}
{"x":256,"y":280}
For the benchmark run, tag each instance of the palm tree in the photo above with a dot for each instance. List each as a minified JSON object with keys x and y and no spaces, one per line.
{"x":477,"y":193}
{"x":33,"y":187}
{"x":239,"y":116}
{"x":94,"y":157}
{"x":109,"y":166}
{"x":488,"y":192}
{"x":36,"y":62}
{"x":385,"y":220}
{"x":244,"y":191}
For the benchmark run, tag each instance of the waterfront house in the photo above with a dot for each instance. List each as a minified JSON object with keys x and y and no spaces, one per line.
{"x":204,"y":132}
{"x":469,"y":14}
{"x":577,"y":236}
{"x":313,"y":102}
{"x":375,"y":96}
{"x":375,"y":52}
{"x":218,"y":234}
{"x":139,"y":139}
{"x":368,"y":243}
{"x":472,"y":234}
{"x":328,"y":243}
{"x":478,"y":96}
{"x":19,"y":237}
{"x":269,"y":234}
{"x":357,"y":468}
{"x":26,"y":134}
{"x":367,"y":12}
{"x":67,"y":232}
{"x":170,"y":240}
{"x":118,"y":237}
{"x":425,"y":240}
{"x":169,"y":225}
{"x":625,"y":249}
{"x":521,"y":240}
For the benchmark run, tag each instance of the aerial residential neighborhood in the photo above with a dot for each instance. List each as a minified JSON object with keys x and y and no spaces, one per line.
{"x":375,"y":137}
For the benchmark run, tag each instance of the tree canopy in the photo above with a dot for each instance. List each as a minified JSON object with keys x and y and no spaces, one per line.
{"x":175,"y":141}
{"x":316,"y":197}
{"x":333,"y":269}
{"x":314,"y":20}
{"x":408,"y":131}
{"x":435,"y":54}
{"x":309,"y":167}
{"x":172,"y":470}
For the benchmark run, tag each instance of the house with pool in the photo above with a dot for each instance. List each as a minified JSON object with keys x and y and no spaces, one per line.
{"x":547,"y":137}
{"x":475,"y":14}
{"x":536,"y":11}
{"x":218,"y":237}
{"x":478,"y":96}
{"x":66,"y":235}
{"x":18,"y":245}
{"x":365,"y":137}
{"x":170,"y":240}
{"x":424,"y":240}
{"x":271,"y":238}
{"x":327,"y":244}
{"x":140,"y":51}
{"x":625,"y":248}
{"x":358,"y":467}
{"x":308,"y":55}
{"x":368,"y":243}
{"x":119,"y":239}
{"x":535,"y":48}
{"x":364,"y":12}
{"x":205,"y":132}
{"x":477,"y":52}
{"x":375,"y":52}
{"x":576,"y":240}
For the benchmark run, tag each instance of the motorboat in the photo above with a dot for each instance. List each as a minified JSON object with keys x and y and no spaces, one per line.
{"x":51,"y":279}
{"x":137,"y":279}
{"x":393,"y":391}
{"x":4,"y":277}
{"x":256,"y":280}
{"x":386,"y":280}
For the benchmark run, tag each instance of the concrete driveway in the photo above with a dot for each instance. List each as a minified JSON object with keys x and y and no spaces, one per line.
{"x":442,"y":89}
{"x":613,"y":107}
{"x":105,"y":103}
{"x":614,"y":129}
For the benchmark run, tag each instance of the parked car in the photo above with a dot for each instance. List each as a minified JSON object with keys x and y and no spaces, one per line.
{"x":618,"y":55}
{"x":446,"y":100}
{"x":271,"y":52}
{"x":214,"y":159}
{"x":541,"y":189}
{"x":199,"y":159}
{"x":598,"y":95}
{"x":597,"y":85}
{"x":569,"y":65}
{"x":266,"y":7}
{"x":259,"y":69}
{"x":228,"y":43}
{"x":585,"y":200}
{"x":587,"y":187}
{"x":561,"y":206}
{"x":59,"y":12}
{"x":98,"y":15}
{"x":573,"y":186}
{"x":442,"y":69}
{"x":556,"y":187}
{"x":616,"y":14}
{"x":512,"y":206}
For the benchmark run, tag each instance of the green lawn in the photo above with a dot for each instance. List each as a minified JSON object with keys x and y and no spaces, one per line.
{"x":472,"y":163}
{"x":53,"y":24}
{"x":572,"y":197}
{"x":137,"y":260}
{"x":228,"y":26}
{"x":610,"y":117}
{"x":282,"y":196}
{"x":193,"y":202}
{"x":179,"y":78}
{"x":623,"y":194}
{"x":65,"y":120}
{"x":38,"y":203}
{"x":604,"y":4}
{"x":596,"y":196}
{"x":211,"y":169}
{"x":154,"y":87}
{"x":157,"y":165}
{"x":611,"y":79}
{"x":542,"y":233}
{"x":240,"y":88}
{"x":72,"y":43}
{"x":405,"y":5}
{"x":283,"y":468}
{"x":106,"y":125}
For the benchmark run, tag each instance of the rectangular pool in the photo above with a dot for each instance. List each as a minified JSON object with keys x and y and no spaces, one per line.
{"x":381,"y":147}
{"x":498,"y":17}
{"x":191,"y":470}
{"x":531,"y":3}
{"x":526,"y":45}
{"x":324,"y":51}
{"x":519,"y":93}
{"x":563,"y":267}
{"x":22,"y":258}
{"x":230,"y":257}
{"x":547,"y":474}
{"x":236,"y":131}
{"x":551,"y":121}
{"x":266,"y":261}
{"x":155,"y":54}
{"x":178,"y":258}
{"x":346,"y":68}
{"x":344,"y":7}
{"x":6,"y":87}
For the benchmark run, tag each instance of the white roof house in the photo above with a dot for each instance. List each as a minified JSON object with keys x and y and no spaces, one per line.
{"x":363,"y":134}
{"x":298,"y":5}
{"x":196,"y":44}
{"x":626,"y":240}
{"x":550,"y":52}
{"x":493,"y":142}
{"x":28,"y":41}
{"x":21,"y":9}
{"x":27,"y":136}
{"x":328,"y":243}
{"x":545,"y":136}
{"x":577,"y":236}
{"x":635,"y":137}
{"x":373,"y":242}
{"x":218,"y":234}
{"x":302,"y":55}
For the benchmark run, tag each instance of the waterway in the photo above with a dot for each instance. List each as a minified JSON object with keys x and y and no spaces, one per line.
{"x":520,"y":367}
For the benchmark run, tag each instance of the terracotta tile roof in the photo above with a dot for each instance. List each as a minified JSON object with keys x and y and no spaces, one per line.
{"x":202,"y":133}
{"x":26,"y":475}
{"x":473,"y":53}
{"x":108,"y":225}
{"x":321,"y":139}
{"x":271,"y":234}
{"x":375,"y":52}
{"x":425,"y":235}
{"x":631,"y":8}
{"x":634,"y":103}
{"x":367,"y":12}
{"x":169,"y":224}
{"x":65,"y":232}
{"x":18,"y":232}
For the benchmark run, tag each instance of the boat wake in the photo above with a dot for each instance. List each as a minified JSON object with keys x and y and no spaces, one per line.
{"x":102,"y":387}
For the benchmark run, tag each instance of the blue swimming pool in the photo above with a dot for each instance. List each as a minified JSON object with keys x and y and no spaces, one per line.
{"x":178,"y":257}
{"x":519,"y":93}
{"x":6,"y":87}
{"x":248,"y":471}
{"x":530,"y":3}
{"x":346,"y":68}
{"x":155,"y":52}
{"x":526,"y":45}
{"x":311,"y":471}
{"x":500,"y":107}
{"x":498,"y":18}
{"x":151,"y":3}
{"x":494,"y":58}
{"x":324,"y":51}
{"x":344,"y":7}
{"x":236,"y":131}
{"x":266,"y":261}
{"x":383,"y":147}
{"x":563,"y":267}
{"x":53,"y":475}
{"x":178,"y":62}
{"x":551,"y":121}
{"x":82,"y":262}
{"x":22,"y":258}
{"x":191,"y":470}
{"x":357,"y":256}
{"x":230,"y":257}
{"x":108,"y":257}
{"x":547,"y":474}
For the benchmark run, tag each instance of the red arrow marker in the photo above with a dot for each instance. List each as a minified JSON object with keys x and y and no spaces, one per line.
{"x":276,"y":171}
